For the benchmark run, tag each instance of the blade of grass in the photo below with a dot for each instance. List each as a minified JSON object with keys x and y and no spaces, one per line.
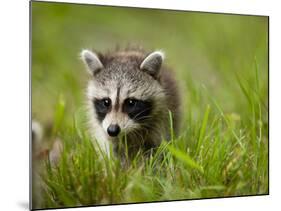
{"x":225,"y":119}
{"x":203,"y":128}
{"x":257,"y":75}
{"x":244,"y":90}
{"x":171,"y":125}
{"x":59,"y":114}
{"x":185,"y":158}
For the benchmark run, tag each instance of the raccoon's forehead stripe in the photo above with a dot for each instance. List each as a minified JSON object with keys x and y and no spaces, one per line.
{"x":117,"y":101}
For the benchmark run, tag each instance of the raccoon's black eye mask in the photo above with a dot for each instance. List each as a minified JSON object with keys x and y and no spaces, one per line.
{"x":137,"y":109}
{"x":102,"y":107}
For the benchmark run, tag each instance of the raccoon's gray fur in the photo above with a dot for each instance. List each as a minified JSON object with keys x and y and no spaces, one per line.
{"x":130,"y":94}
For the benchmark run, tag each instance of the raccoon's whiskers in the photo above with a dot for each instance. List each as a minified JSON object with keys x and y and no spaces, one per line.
{"x":147,"y":109}
{"x":139,"y":135}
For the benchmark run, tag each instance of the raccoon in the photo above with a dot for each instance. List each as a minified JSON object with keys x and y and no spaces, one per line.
{"x":130,"y":96}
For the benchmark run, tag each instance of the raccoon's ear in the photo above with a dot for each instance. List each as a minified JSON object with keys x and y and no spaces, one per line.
{"x":92,"y":61}
{"x":152,"y":63}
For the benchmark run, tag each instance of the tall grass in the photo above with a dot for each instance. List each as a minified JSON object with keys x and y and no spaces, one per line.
{"x":221,"y":155}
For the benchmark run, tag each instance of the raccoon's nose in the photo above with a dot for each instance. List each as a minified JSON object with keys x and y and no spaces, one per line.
{"x":113,"y":130}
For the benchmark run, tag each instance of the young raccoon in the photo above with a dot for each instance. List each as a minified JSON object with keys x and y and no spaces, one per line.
{"x":130,"y":94}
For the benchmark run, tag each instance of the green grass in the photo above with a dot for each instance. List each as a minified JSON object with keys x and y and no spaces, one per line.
{"x":222,"y":67}
{"x":222,"y":155}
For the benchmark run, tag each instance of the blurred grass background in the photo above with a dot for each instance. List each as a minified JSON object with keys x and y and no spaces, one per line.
{"x":202,"y":48}
{"x":219,"y":59}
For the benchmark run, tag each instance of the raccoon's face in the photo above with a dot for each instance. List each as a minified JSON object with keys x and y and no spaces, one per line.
{"x":124,"y":93}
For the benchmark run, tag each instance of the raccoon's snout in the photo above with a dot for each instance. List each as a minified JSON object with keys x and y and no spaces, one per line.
{"x":113,"y":130}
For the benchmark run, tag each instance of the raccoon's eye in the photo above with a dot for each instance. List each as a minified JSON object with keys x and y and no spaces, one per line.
{"x":131,"y":102}
{"x":106,"y":102}
{"x":137,"y":110}
{"x":102,"y":107}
